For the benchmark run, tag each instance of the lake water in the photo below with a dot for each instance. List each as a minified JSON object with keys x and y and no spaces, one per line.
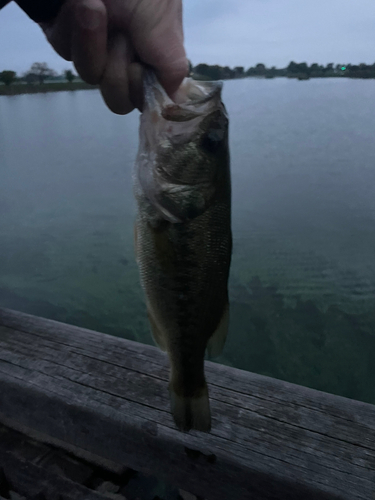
{"x":302,"y":282}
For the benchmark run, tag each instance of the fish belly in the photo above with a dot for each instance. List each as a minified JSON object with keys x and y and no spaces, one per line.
{"x":184,"y":271}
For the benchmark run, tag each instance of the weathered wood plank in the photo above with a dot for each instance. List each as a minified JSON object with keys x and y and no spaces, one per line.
{"x":35,"y":470}
{"x":126,"y":483}
{"x":270,"y":439}
{"x":96,"y":377}
{"x":34,"y":481}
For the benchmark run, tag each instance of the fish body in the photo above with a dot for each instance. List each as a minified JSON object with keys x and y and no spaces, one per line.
{"x":183,"y":234}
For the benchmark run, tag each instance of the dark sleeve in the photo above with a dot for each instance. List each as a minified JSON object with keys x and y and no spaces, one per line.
{"x":3,"y":3}
{"x":40,"y":10}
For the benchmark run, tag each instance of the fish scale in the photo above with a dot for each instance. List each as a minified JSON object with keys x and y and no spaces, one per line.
{"x":183,"y":235}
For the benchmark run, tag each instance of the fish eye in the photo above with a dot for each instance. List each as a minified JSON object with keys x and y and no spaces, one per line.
{"x":212,"y":140}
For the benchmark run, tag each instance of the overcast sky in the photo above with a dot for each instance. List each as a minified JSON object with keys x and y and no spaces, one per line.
{"x":233,"y":33}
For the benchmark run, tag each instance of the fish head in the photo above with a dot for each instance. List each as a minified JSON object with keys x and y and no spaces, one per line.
{"x":183,"y":150}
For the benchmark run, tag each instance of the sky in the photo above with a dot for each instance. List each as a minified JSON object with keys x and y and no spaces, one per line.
{"x":232,"y":33}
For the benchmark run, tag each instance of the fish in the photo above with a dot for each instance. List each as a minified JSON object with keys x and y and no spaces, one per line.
{"x":183,"y":238}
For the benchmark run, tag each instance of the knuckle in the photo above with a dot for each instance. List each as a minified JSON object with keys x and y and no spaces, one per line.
{"x":90,"y":14}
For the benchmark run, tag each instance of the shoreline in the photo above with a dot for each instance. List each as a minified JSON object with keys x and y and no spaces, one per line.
{"x":19,"y":89}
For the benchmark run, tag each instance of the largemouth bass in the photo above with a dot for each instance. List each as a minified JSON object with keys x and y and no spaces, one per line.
{"x":183,"y":234}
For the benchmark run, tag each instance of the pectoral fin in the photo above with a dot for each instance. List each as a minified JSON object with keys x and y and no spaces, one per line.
{"x":136,"y":242}
{"x":155,"y":330}
{"x":217,"y":340}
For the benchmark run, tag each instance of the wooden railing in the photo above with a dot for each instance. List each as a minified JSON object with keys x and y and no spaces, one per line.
{"x":108,"y":396}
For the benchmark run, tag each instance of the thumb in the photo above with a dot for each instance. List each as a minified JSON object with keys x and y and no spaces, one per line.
{"x":155,"y":29}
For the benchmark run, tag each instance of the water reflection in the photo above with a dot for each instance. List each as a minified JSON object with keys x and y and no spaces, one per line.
{"x":302,"y":282}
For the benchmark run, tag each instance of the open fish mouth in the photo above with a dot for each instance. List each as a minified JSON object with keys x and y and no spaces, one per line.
{"x":169,"y":128}
{"x":190,"y":98}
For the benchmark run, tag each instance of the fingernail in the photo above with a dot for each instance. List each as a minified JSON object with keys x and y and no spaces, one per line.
{"x":89,"y":17}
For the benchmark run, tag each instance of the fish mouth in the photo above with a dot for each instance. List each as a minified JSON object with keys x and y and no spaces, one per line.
{"x":199,"y":93}
{"x":192,"y":100}
{"x":166,"y":125}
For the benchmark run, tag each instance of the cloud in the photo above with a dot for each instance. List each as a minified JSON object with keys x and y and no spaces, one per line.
{"x":277,"y":31}
{"x":22,"y":42}
{"x":232,"y":32}
{"x":201,"y":12}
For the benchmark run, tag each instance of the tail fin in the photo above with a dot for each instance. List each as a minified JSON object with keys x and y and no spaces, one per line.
{"x":191,"y":412}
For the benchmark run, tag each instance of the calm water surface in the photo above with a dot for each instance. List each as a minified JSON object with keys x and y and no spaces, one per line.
{"x":302,"y":282}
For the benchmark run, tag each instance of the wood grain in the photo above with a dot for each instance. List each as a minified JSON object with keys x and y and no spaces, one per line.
{"x":108,"y":396}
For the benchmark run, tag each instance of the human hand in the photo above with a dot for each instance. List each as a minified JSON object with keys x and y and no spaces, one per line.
{"x":110,"y":40}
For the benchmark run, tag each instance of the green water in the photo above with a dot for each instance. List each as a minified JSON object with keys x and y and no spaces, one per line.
{"x":302,"y":282}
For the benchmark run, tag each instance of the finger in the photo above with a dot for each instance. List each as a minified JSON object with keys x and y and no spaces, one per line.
{"x":114,"y":84}
{"x":89,"y":39}
{"x":157,"y":35}
{"x":136,"y":84}
{"x":58,"y":31}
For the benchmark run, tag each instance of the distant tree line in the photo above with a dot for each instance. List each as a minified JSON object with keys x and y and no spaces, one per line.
{"x":293,"y":70}
{"x":331,"y":70}
{"x":38,"y":73}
